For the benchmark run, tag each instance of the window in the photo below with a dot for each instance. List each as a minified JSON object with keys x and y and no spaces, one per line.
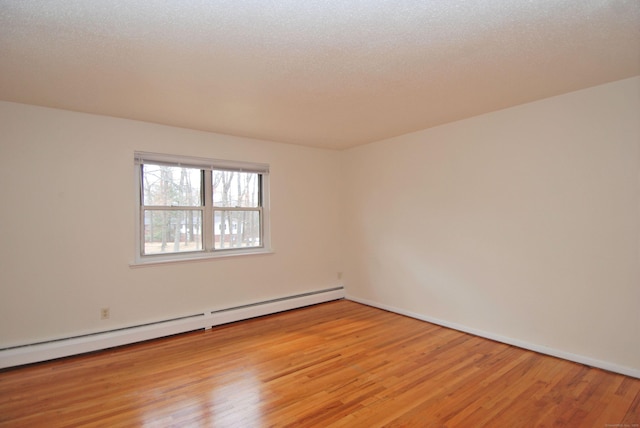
{"x":194,"y":208}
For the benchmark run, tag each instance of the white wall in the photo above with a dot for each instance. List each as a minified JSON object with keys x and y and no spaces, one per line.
{"x":67,"y":226}
{"x":521,"y":224}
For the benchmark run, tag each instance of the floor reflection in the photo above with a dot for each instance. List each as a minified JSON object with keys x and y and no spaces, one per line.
{"x":234,"y":401}
{"x":238,"y":403}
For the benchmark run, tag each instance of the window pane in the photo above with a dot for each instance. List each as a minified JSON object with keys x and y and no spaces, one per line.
{"x":236,"y":189}
{"x":236,"y":229}
{"x":172,"y":231}
{"x":171,"y":186}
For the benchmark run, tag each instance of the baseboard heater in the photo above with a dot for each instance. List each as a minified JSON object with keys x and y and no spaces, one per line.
{"x":58,"y":348}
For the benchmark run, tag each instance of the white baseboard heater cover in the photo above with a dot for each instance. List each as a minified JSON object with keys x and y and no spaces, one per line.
{"x":43,"y":351}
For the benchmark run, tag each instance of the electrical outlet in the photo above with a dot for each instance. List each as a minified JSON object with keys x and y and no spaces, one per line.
{"x":105,"y":313}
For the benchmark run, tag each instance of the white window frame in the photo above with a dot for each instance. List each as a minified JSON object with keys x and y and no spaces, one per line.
{"x":208,"y":251}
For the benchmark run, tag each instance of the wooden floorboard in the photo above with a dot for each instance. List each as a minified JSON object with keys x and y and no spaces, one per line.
{"x":338,"y":364}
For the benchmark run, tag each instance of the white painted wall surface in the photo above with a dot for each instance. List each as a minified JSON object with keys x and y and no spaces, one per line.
{"x":522,"y":223}
{"x":67,"y":226}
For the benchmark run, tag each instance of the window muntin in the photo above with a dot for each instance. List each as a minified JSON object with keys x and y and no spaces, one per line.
{"x":195,"y":208}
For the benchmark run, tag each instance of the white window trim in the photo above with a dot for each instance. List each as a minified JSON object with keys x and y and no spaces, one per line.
{"x":204,"y":163}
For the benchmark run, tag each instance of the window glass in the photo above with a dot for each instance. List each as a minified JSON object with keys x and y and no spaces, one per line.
{"x":235,"y":189}
{"x":191,"y":208}
{"x":171,"y":186}
{"x":236,"y":229}
{"x":172,"y":231}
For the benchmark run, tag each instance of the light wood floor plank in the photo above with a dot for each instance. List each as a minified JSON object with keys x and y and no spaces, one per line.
{"x":339,"y":364}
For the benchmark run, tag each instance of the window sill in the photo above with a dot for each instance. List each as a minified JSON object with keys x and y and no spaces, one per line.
{"x":197,"y":257}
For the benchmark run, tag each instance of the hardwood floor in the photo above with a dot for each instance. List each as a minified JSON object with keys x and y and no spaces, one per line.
{"x":339,"y":364}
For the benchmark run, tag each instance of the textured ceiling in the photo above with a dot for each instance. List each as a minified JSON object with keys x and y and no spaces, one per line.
{"x":330,"y":73}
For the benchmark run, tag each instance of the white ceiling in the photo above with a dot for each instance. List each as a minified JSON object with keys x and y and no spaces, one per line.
{"x":332,"y":73}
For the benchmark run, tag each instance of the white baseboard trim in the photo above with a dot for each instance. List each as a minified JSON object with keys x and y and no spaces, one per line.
{"x":627,"y":371}
{"x":277,"y":305}
{"x":44,"y":351}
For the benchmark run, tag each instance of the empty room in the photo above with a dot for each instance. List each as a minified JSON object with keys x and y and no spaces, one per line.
{"x":320,"y":214}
